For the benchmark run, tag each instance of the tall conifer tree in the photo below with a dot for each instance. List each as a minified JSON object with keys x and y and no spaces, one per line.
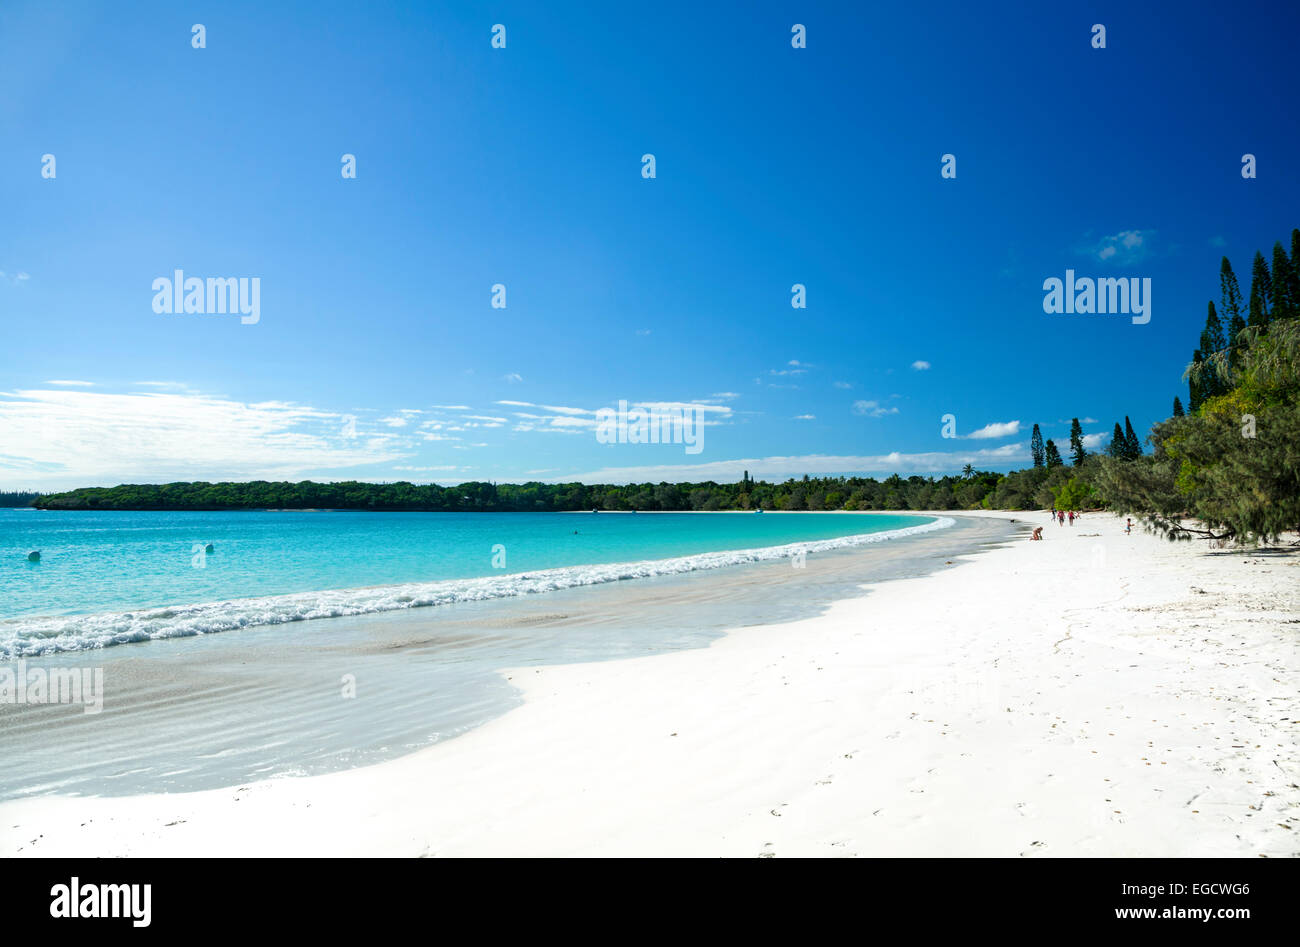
{"x":1261,"y":292}
{"x":1194,"y":398}
{"x":1036,"y":447}
{"x":1286,"y":294}
{"x":1077,"y":453}
{"x":1178,"y":407}
{"x":1212,"y":341}
{"x":1116,"y":446}
{"x":1230,"y":299}
{"x":1132,"y":446}
{"x":1053,"y":455}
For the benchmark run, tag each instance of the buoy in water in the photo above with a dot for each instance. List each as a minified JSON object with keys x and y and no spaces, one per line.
{"x":208,"y":548}
{"x":34,"y":556}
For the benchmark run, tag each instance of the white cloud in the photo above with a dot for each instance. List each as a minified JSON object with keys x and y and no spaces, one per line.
{"x":996,"y":429}
{"x":512,"y":377}
{"x":1127,"y":246}
{"x":872,"y":409}
{"x":843,"y":384}
{"x":71,"y":384}
{"x":70,"y":438}
{"x":920,"y":365}
{"x":1093,"y":441}
{"x":395,"y":421}
{"x":805,"y":417}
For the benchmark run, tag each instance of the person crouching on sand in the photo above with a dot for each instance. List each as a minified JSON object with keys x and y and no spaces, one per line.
{"x":1038,"y":533}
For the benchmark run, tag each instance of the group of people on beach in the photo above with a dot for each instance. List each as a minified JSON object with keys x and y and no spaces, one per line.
{"x":1060,"y":516}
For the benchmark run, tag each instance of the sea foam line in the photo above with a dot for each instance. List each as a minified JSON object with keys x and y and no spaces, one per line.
{"x":32,"y":637}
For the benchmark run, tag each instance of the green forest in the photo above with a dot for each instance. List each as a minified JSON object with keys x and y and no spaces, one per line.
{"x":1229,"y":459}
{"x":13,"y":498}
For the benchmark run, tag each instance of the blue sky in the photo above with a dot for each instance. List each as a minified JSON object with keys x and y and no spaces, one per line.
{"x":377,"y":354}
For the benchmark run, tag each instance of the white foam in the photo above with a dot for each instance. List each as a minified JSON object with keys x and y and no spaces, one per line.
{"x":29,"y":637}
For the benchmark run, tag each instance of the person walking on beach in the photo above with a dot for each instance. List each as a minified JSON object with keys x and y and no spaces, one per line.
{"x":1060,"y":517}
{"x":1128,"y":527}
{"x":1072,"y":517}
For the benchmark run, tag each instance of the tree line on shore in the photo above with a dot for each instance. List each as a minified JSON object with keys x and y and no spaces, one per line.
{"x":15,"y":498}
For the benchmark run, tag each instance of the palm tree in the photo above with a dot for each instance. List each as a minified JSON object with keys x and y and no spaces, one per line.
{"x":968,"y":471}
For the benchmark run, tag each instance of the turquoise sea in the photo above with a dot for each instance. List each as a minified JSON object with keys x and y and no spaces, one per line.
{"x":108,"y":578}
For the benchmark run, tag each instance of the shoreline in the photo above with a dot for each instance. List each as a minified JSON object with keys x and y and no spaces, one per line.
{"x":184,"y":714}
{"x":1094,"y":694}
{"x":192,"y":619}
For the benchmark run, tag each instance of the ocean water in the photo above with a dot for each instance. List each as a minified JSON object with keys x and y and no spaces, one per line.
{"x":107,"y":578}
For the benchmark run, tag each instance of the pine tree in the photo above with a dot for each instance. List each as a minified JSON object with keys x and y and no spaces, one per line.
{"x":1132,"y":446}
{"x":1116,"y":446}
{"x":1194,"y":397}
{"x":1053,"y":455}
{"x":1036,"y":447}
{"x":1077,"y":453}
{"x":1212,"y":341}
{"x":1261,"y":292}
{"x":1178,"y":407}
{"x":1295,"y":251}
{"x":1212,"y":336}
{"x":1286,"y":292}
{"x":1230,"y":300}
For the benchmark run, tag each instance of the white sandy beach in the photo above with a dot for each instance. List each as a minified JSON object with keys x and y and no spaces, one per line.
{"x":1095,"y":694}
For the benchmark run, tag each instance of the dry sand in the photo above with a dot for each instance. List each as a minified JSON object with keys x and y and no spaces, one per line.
{"x":1094,"y":694}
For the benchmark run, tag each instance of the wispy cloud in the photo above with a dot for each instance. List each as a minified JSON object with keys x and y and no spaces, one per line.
{"x":921,"y":365}
{"x":70,"y":383}
{"x":872,"y":409}
{"x":1127,"y":246}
